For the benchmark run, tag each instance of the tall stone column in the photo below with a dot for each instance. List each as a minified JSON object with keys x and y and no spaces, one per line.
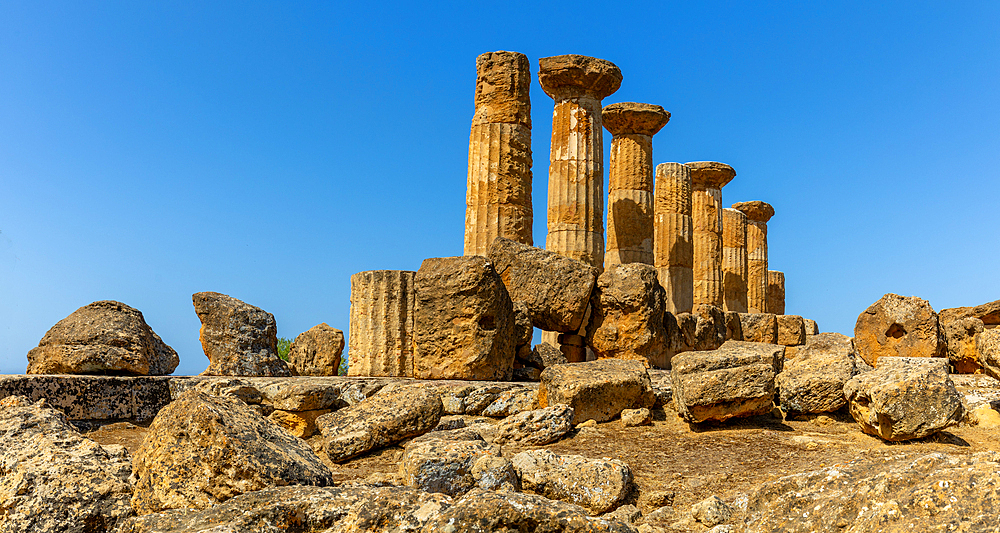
{"x":498,"y":195}
{"x":630,"y":181}
{"x":758,"y":213}
{"x":577,"y":84}
{"x":707,"y":180}
{"x":673,"y":244}
{"x":381,"y":326}
{"x":734,"y":260}
{"x":775,"y":292}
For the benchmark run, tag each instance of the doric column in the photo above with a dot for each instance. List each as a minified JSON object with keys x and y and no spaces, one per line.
{"x":498,"y":196}
{"x":734,"y":260}
{"x":707,"y":180}
{"x":630,"y":181}
{"x":775,"y":292}
{"x":381,"y":327}
{"x":758,"y":213}
{"x":673,"y":248}
{"x":576,"y":162}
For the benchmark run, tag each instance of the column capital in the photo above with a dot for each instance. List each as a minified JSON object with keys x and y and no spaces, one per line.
{"x":575,"y":75}
{"x":626,"y":118}
{"x":710,"y":174}
{"x":756,"y":210}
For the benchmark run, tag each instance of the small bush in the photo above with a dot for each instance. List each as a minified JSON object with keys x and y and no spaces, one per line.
{"x":284,"y":346}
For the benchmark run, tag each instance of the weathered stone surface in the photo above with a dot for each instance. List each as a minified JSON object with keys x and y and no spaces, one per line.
{"x":202,"y":450}
{"x":538,"y":427}
{"x":52,"y":479}
{"x":316,"y":352}
{"x":758,"y":213}
{"x":989,"y":313}
{"x":637,"y":417}
{"x":381,"y":327}
{"x":597,"y":484}
{"x":898,"y":326}
{"x":673,"y":248}
{"x":812,"y":328}
{"x":395,"y":413}
{"x":759,"y":327}
{"x":736,"y":380}
{"x":934,"y":492}
{"x":630,"y":181}
{"x":734,"y":260}
{"x":711,"y":511}
{"x":988,"y":346}
{"x":464,"y":321}
{"x":710,"y":330}
{"x":791,"y":330}
{"x":238,"y":338}
{"x":597,"y":389}
{"x":904,"y":398}
{"x":734,"y":327}
{"x":550,"y":355}
{"x":301,"y":424}
{"x":775,"y":292}
{"x":576,"y":159}
{"x":436,"y":463}
{"x":627,"y":321}
{"x":707,"y":180}
{"x":104,"y":337}
{"x":960,"y":344}
{"x":498,"y":197}
{"x":523,"y":329}
{"x":487,"y":399}
{"x":813,"y":382}
{"x":555,"y":289}
{"x":93,"y":397}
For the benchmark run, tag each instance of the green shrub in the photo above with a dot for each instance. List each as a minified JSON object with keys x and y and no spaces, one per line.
{"x":284,"y":345}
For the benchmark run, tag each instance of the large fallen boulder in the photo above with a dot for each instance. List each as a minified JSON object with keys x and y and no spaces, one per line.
{"x":988,"y":348}
{"x":710,"y":330}
{"x":434,"y":462}
{"x":898,"y":326}
{"x":104,"y":337}
{"x":556,"y":289}
{"x":597,"y":484}
{"x":393,"y":414}
{"x":52,"y":479}
{"x":463,"y":321}
{"x":960,"y":341}
{"x":627,"y":320}
{"x":537,"y":427}
{"x":317,"y":351}
{"x":597,"y":390}
{"x":934,"y":492}
{"x":202,"y":450}
{"x":904,"y":398}
{"x":238,"y":338}
{"x":813,"y":382}
{"x":736,"y":380}
{"x":988,"y":313}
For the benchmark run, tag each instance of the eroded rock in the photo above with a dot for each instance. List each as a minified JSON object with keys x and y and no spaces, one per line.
{"x":537,"y":427}
{"x":238,"y":338}
{"x":759,"y":327}
{"x":436,"y":463}
{"x":898,"y":326}
{"x":316,"y":352}
{"x":960,"y":338}
{"x":813,"y":382}
{"x":597,"y":389}
{"x":597,"y":484}
{"x":988,"y":347}
{"x":627,"y":321}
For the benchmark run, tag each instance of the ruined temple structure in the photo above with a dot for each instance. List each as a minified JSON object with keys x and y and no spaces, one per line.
{"x":758,"y":213}
{"x":381,"y":328}
{"x":734,"y":260}
{"x":707,"y":180}
{"x":673,"y":248}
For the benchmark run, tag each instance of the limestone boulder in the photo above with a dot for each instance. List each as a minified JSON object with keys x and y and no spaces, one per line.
{"x":537,"y":427}
{"x":989,"y":313}
{"x":100,"y":338}
{"x":637,"y":417}
{"x":317,"y":351}
{"x":597,"y":390}
{"x":394,"y":414}
{"x":599,"y":485}
{"x":901,"y":494}
{"x":555,"y":289}
{"x":448,"y":466}
{"x":710,"y":331}
{"x":791,"y":330}
{"x":550,"y":355}
{"x":463,"y":321}
{"x":813,"y":382}
{"x":734,"y":327}
{"x":202,"y":450}
{"x":52,"y":479}
{"x":759,"y":327}
{"x":238,"y":338}
{"x":627,"y":320}
{"x":988,"y":348}
{"x":960,"y":340}
{"x":736,"y":380}
{"x":898,"y":326}
{"x":904,"y":398}
{"x":301,"y":424}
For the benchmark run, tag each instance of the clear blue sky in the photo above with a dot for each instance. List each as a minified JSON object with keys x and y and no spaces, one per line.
{"x":270,"y":150}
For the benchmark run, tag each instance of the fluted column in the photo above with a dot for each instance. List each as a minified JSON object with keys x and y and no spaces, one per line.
{"x":381,"y":326}
{"x":498,"y":194}
{"x":734,"y":260}
{"x":630,"y":181}
{"x":758,"y":213}
{"x":577,"y":84}
{"x":707,"y":180}
{"x":673,"y":248}
{"x":775,"y":292}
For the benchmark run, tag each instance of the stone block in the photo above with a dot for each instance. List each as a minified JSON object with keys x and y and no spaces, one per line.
{"x":597,"y":390}
{"x":898,"y":326}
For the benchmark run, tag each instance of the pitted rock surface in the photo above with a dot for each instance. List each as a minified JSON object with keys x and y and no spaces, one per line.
{"x":105,"y":337}
{"x":898,"y":326}
{"x":597,"y":484}
{"x":537,"y":427}
{"x":813,"y":382}
{"x":625,"y":118}
{"x":503,"y":85}
{"x":238,"y":338}
{"x":597,"y":390}
{"x":627,"y":321}
{"x":988,"y":347}
{"x":202,"y":450}
{"x":436,"y":463}
{"x":759,"y":327}
{"x":576,"y":75}
{"x":960,"y":339}
{"x":316,"y":351}
{"x":791,"y":330}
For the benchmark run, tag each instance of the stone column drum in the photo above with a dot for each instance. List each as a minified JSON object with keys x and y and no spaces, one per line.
{"x":775,"y":292}
{"x":734,"y":260}
{"x":630,"y":181}
{"x":381,"y":326}
{"x":577,"y":84}
{"x":758,"y":213}
{"x":707,"y":180}
{"x":498,"y":196}
{"x":673,"y":244}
